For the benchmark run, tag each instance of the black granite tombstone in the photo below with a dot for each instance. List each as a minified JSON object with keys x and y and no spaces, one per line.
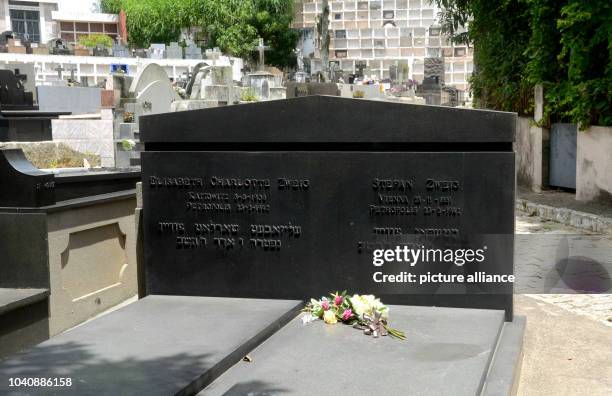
{"x":292,"y":199}
{"x":27,"y":198}
{"x":20,"y":119}
{"x":13,"y":95}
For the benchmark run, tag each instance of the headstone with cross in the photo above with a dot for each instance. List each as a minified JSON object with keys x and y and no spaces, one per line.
{"x":59,"y":69}
{"x":261,"y":48}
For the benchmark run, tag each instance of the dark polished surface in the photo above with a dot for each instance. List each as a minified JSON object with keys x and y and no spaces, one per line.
{"x":317,"y":236}
{"x":447,"y":352}
{"x":24,"y":186}
{"x":329,"y":119}
{"x":289,"y":198}
{"x":161,"y":345}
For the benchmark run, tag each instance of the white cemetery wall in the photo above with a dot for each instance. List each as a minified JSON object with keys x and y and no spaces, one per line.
{"x":528,"y":147}
{"x":78,"y":100}
{"x":594,"y":165}
{"x":97,"y":68}
{"x":369,"y":91}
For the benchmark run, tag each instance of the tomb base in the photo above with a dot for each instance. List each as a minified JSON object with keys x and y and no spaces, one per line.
{"x":164,"y":345}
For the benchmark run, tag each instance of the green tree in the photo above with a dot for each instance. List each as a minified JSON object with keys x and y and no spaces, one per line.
{"x":232,"y":25}
{"x":565,"y":45}
{"x":498,"y":30}
{"x":274,"y":28}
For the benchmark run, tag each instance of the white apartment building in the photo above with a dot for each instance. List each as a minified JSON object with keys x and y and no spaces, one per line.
{"x":44,"y":20}
{"x":379,"y":34}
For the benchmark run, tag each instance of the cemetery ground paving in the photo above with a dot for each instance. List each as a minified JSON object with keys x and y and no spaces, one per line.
{"x":568,"y":336}
{"x":563,"y":353}
{"x":594,"y":306}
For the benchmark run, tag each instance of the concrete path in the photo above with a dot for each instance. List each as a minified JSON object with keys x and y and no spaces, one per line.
{"x":568,"y":340}
{"x":564,"y":353}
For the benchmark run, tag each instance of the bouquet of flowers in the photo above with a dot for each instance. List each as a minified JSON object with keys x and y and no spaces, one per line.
{"x":364,"y":312}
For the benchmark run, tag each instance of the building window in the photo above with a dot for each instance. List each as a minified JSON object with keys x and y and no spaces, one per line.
{"x":337,"y":16}
{"x":434,"y":32}
{"x":388,"y":14}
{"x":96,"y":27}
{"x":26,"y":24}
{"x":433,"y":52}
{"x":460,"y":51}
{"x":340,"y":34}
{"x":340,"y":54}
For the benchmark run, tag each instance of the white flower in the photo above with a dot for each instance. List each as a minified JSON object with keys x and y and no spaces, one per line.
{"x":307,"y":318}
{"x":359,"y":305}
{"x":367,"y":304}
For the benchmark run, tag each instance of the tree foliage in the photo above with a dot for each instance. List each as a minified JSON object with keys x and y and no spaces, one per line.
{"x":95,"y":39}
{"x":232,"y":25}
{"x":565,"y":45}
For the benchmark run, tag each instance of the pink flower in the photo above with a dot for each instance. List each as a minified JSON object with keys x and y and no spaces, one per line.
{"x":346,"y":315}
{"x":325,"y":305}
{"x":338,"y":300}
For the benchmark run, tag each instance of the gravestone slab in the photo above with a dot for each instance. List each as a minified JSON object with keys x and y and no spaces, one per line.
{"x":141,"y":53}
{"x":174,"y":51}
{"x":133,"y":351}
{"x":192,"y":51}
{"x":157,"y":51}
{"x":120,"y":51}
{"x":268,"y":208}
{"x":77,"y":100}
{"x":298,"y":359}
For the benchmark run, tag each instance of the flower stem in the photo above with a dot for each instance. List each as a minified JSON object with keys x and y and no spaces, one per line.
{"x":400,"y":335}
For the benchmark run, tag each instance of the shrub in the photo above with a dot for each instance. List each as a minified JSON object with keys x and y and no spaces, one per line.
{"x":94,"y":40}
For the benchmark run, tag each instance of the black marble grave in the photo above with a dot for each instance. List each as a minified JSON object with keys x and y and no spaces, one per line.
{"x":27,"y":197}
{"x":20,"y":119}
{"x":289,"y":199}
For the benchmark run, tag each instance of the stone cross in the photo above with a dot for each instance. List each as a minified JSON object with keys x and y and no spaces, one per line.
{"x":59,"y":70}
{"x":261,"y":48}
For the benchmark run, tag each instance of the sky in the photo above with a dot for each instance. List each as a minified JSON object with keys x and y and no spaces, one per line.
{"x":79,"y":6}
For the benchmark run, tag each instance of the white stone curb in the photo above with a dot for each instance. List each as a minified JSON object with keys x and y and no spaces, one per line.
{"x":574,"y":218}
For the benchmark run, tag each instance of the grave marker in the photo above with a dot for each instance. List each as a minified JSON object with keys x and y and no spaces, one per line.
{"x":174,"y":51}
{"x":269,"y":196}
